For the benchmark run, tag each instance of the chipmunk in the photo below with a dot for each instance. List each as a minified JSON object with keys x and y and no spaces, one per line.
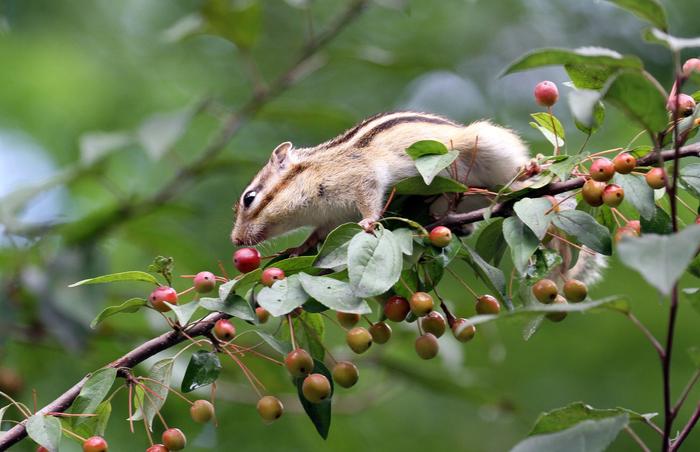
{"x":347,"y":178}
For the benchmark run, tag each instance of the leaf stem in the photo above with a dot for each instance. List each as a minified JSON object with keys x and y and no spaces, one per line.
{"x":684,"y":395}
{"x":652,"y":339}
{"x":636,"y":439}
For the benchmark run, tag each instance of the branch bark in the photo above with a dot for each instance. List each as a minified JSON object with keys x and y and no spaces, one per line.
{"x":504,"y":209}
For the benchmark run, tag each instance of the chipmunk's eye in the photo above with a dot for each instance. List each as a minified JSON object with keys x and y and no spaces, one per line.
{"x":249,"y":197}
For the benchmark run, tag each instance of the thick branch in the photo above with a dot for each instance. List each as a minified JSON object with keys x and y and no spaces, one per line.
{"x":504,"y":209}
{"x":131,"y":359}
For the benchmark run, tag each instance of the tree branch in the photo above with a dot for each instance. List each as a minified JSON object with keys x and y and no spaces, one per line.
{"x":504,"y":209}
{"x":131,"y":359}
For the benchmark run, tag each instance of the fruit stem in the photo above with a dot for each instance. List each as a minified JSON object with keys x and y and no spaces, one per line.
{"x":74,"y":435}
{"x":461,"y":281}
{"x":636,"y":439}
{"x":223,"y":270}
{"x":328,"y":352}
{"x":252,"y":379}
{"x":20,"y":407}
{"x":554,"y":131}
{"x":579,"y":247}
{"x":559,"y":202}
{"x":160,"y":416}
{"x":686,"y":391}
{"x":173,"y":390}
{"x":615,"y":211}
{"x":448,"y":315}
{"x":291,"y":331}
{"x":648,"y":334}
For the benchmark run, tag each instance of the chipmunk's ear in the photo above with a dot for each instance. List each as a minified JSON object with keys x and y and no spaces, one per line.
{"x":280,"y":155}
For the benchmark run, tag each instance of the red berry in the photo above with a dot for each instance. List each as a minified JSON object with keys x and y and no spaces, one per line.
{"x":316,"y":388}
{"x":270,"y":408}
{"x":592,"y":192}
{"x":697,"y":219}
{"x":174,"y":439}
{"x":427,"y":346}
{"x":270,"y":275}
{"x":421,"y":303}
{"x":440,"y":236}
{"x":624,"y":163}
{"x":487,"y":304}
{"x":161,"y":294}
{"x":636,"y":225}
{"x":433,"y":323}
{"x":686,"y":104}
{"x":347,"y":319}
{"x":345,"y":374}
{"x":624,"y":232}
{"x":546,"y":93}
{"x":613,"y":195}
{"x":691,"y":65}
{"x":380,"y":332}
{"x":396,"y":308}
{"x":602,"y":170}
{"x":262,"y":314}
{"x":204,"y":282}
{"x":545,"y":290}
{"x":463,"y":330}
{"x":299,"y":363}
{"x":41,"y":449}
{"x":202,"y":411}
{"x":224,"y":330}
{"x":95,"y":444}
{"x":246,"y":259}
{"x":656,"y":178}
{"x":157,"y":448}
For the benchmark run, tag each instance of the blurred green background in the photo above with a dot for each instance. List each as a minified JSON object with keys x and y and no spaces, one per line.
{"x":102,"y":102}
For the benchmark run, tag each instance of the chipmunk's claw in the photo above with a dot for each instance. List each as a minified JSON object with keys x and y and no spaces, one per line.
{"x":368,"y":224}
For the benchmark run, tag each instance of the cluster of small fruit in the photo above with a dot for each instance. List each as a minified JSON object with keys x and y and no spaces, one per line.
{"x":201,"y":411}
{"x":546,"y":292}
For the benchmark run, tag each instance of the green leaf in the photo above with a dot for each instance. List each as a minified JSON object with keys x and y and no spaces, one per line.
{"x":96,"y":425}
{"x":638,"y":193}
{"x":585,"y":58}
{"x":694,"y":354}
{"x":93,"y":393}
{"x":661,"y":259}
{"x":425,"y":147}
{"x":183,"y":312}
{"x":203,"y":369}
{"x":293,"y":265}
{"x":430,"y":166}
{"x":239,"y":21}
{"x":533,"y":212}
{"x":551,"y":123}
{"x":115,"y":277}
{"x":674,"y":43}
{"x":409,"y":278}
{"x":585,"y":229}
{"x":491,"y":276}
{"x":490,"y":244}
{"x":570,"y":415}
{"x":588,"y":435}
{"x":334,"y":251}
{"x":129,"y":306}
{"x":404,"y":238}
{"x":550,"y":136}
{"x":587,"y":109}
{"x":313,"y":328}
{"x":651,"y":11}
{"x":690,"y":176}
{"x":281,"y":347}
{"x":416,"y":186}
{"x":283,"y":297}
{"x":374,"y":262}
{"x":660,"y":223}
{"x":159,"y":132}
{"x":234,"y":305}
{"x":95,"y":146}
{"x":337,"y":295}
{"x":148,"y":403}
{"x":521,"y":240}
{"x":319,"y":413}
{"x":693,"y":296}
{"x":45,"y":431}
{"x":640,"y":97}
{"x":545,"y":261}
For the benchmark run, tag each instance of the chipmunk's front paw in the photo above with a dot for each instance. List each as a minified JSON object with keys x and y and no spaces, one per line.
{"x":368,"y":224}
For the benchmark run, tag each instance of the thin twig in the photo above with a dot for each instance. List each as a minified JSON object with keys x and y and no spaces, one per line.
{"x":636,"y":439}
{"x":652,"y":339}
